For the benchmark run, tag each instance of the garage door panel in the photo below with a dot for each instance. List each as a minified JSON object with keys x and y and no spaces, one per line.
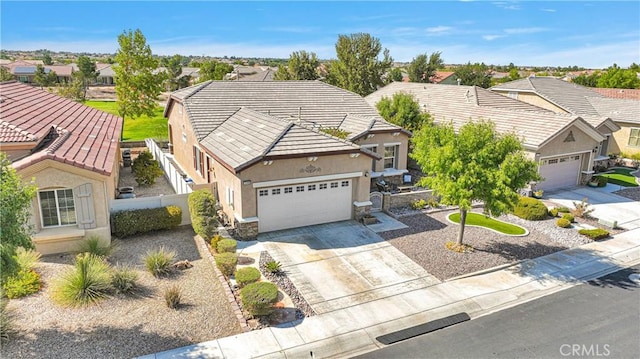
{"x":295,"y":206}
{"x":559,"y":172}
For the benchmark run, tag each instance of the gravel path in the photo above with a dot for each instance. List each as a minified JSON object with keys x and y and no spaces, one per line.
{"x":424,"y":242}
{"x":127,"y":179}
{"x":631,"y":193}
{"x":124,"y":327}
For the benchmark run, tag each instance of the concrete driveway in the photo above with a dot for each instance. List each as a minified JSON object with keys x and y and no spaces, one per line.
{"x":606,"y":205}
{"x":343,"y":264}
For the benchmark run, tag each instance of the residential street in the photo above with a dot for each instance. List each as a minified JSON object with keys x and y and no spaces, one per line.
{"x":598,"y":319}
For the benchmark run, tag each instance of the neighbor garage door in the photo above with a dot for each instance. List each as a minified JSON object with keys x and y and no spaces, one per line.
{"x":559,"y":172}
{"x":303,"y":204}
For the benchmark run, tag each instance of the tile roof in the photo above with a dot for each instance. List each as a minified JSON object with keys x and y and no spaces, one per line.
{"x":259,"y":76}
{"x":459,"y":104}
{"x":67,"y":131}
{"x":617,"y":109}
{"x":358,"y":126}
{"x":248,"y":136}
{"x":626,"y":94}
{"x":440,"y":76}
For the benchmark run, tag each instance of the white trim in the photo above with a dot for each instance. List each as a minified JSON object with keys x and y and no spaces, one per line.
{"x":293,"y":181}
{"x":55,"y":195}
{"x":245,"y":220}
{"x":388,"y":172}
{"x":565,"y":154}
{"x":393,"y":144}
{"x":362,"y":204}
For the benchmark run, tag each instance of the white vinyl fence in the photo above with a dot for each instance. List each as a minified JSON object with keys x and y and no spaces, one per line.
{"x":180,"y":200}
{"x":173,"y":175}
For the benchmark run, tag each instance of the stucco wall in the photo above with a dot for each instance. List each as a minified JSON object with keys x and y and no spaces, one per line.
{"x":620,"y":139}
{"x":183,"y":151}
{"x":534,"y":100}
{"x":380,"y":139}
{"x":582,"y":143}
{"x":406,"y":199}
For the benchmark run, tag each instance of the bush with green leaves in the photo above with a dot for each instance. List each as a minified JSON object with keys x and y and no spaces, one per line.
{"x":130,"y":222}
{"x":273,"y":267}
{"x":173,"y":296}
{"x":247,"y":275}
{"x":553,"y":212}
{"x":95,"y":246}
{"x":214,"y":242}
{"x":418,"y":204}
{"x":563,"y":209}
{"x":563,"y":223}
{"x":124,"y":280}
{"x":27,"y":259}
{"x":202,"y":208}
{"x":530,"y":209}
{"x":227,"y":245}
{"x":21,"y":284}
{"x":569,"y":217}
{"x":258,"y":298}
{"x":87,"y":282}
{"x":146,"y":169}
{"x":159,"y":262}
{"x":595,"y":234}
{"x":226,"y":263}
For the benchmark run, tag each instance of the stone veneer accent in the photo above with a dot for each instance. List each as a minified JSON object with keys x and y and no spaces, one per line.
{"x":405,"y":199}
{"x":247,"y":230}
{"x":361,"y":209}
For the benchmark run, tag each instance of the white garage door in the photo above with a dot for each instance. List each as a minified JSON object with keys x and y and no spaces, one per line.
{"x":303,"y":204}
{"x":559,"y":172}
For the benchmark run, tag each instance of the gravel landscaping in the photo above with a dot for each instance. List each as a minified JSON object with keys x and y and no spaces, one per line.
{"x":631,"y":193}
{"x":124,"y":327}
{"x":424,"y":242}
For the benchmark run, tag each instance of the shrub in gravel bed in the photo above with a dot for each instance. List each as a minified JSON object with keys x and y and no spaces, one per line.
{"x":273,"y":267}
{"x":530,"y":209}
{"x":280,"y":278}
{"x":124,"y":280}
{"x":88,"y":282}
{"x":418,"y":204}
{"x":27,"y":258}
{"x":563,"y":223}
{"x":259,"y":298}
{"x":173,"y":296}
{"x":214,"y":242}
{"x":130,"y":222}
{"x":553,"y":212}
{"x":159,"y":261}
{"x":227,"y":245}
{"x":594,"y":234}
{"x":247,"y":275}
{"x":203,"y":213}
{"x":563,"y":209}
{"x":569,"y":217}
{"x":94,"y":245}
{"x":23,"y":283}
{"x":227,"y":263}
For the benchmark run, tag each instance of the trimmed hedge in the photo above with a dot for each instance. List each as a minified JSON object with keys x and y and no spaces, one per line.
{"x":227,"y":245}
{"x":259,"y":298}
{"x":128,"y":223}
{"x":563,"y":209}
{"x":247,"y":275}
{"x":563,"y":222}
{"x":569,"y":217}
{"x":530,"y":209}
{"x":594,"y":234}
{"x":206,"y":226}
{"x":202,"y":208}
{"x":553,"y":212}
{"x":227,"y":263}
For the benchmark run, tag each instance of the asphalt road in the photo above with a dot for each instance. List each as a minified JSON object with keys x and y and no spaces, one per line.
{"x":598,"y":319}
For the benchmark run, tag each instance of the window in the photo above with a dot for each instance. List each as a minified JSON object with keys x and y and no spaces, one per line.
{"x":184,"y":137}
{"x":390,"y":153}
{"x":57,"y":207}
{"x":23,"y":79}
{"x":323,"y":186}
{"x":373,"y":149}
{"x":513,"y":95}
{"x":552,"y":162}
{"x":634,"y":137}
{"x":197,"y":159}
{"x":299,"y":188}
{"x":275,"y":191}
{"x":263,"y":192}
{"x":345,"y":183}
{"x":229,"y":195}
{"x":334,"y":184}
{"x":288,"y":189}
{"x":312,"y":187}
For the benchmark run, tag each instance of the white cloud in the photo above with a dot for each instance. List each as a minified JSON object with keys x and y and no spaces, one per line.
{"x":438,"y":29}
{"x":548,"y":10}
{"x":491,"y":37}
{"x":525,"y":30}
{"x":507,"y":5}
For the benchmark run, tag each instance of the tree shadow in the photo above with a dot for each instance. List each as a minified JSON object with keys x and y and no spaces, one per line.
{"x":425,"y":223}
{"x":518,"y":251}
{"x":619,"y":279}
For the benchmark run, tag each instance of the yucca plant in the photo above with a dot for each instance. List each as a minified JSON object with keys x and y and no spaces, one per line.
{"x":273,"y":267}
{"x":88,"y":282}
{"x":124,"y":280}
{"x":93,"y":245}
{"x":159,"y":261}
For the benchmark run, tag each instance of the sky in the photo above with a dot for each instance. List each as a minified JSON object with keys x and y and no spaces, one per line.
{"x":590,"y":34}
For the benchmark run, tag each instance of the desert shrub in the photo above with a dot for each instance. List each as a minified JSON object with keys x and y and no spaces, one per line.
{"x":23,"y":283}
{"x":202,"y":208}
{"x":88,"y":282}
{"x":418,"y":204}
{"x":273,"y":267}
{"x":582,"y":209}
{"x":530,"y":209}
{"x":159,"y":261}
{"x":594,"y":234}
{"x":214,"y":242}
{"x":569,"y":217}
{"x":124,"y":280}
{"x":173,"y":296}
{"x":130,"y":222}
{"x":258,"y":298}
{"x":553,"y":212}
{"x":146,"y":169}
{"x":227,"y":263}
{"x":247,"y":275}
{"x":433,"y":202}
{"x":227,"y":245}
{"x":27,"y":259}
{"x":6,"y":319}
{"x":563,"y":223}
{"x":563,"y":209}
{"x":602,"y":181}
{"x":93,"y":245}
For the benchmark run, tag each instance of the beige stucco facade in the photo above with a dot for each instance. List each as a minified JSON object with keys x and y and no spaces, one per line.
{"x":380,"y":140}
{"x":620,"y":143}
{"x":533,"y":99}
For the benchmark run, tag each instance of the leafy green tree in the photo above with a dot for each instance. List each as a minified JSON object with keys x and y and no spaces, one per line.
{"x":46,"y":58}
{"x":403,"y":109}
{"x":146,"y":169}
{"x":174,"y":70}
{"x":358,"y":67}
{"x":15,"y":200}
{"x":588,"y":80}
{"x":302,"y":65}
{"x":474,"y":75}
{"x":75,"y":89}
{"x":213,"y":70}
{"x":87,"y":73}
{"x":422,"y":70}
{"x":513,"y":75}
{"x":616,"y":77}
{"x":137,"y":85}
{"x":44,"y":78}
{"x":395,"y":75}
{"x":475,"y":164}
{"x":5,"y":74}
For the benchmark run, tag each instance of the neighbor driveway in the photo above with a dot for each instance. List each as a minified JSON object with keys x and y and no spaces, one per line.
{"x":342,"y":264}
{"x":606,"y":205}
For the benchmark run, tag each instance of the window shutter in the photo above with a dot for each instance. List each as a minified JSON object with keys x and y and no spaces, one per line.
{"x":84,"y":206}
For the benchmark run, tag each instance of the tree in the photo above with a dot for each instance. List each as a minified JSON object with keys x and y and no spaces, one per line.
{"x":87,"y":73}
{"x":137,"y":86}
{"x":474,"y":75}
{"x":616,"y":77}
{"x":302,"y":65}
{"x":146,"y":169}
{"x":75,"y":89}
{"x":213,"y":70}
{"x":358,"y":67}
{"x":5,"y":74}
{"x":588,"y":80}
{"x":46,"y":59}
{"x":395,"y":75}
{"x":513,"y":75}
{"x":15,"y":200}
{"x":174,"y":70}
{"x":421,"y":70}
{"x":43,"y":77}
{"x":476,"y":164}
{"x":403,"y":110}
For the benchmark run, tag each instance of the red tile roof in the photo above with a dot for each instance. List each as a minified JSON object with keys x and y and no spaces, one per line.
{"x":72,"y":133}
{"x":627,"y":94}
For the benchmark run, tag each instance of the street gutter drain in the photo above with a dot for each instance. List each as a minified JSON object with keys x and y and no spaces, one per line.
{"x":425,"y":328}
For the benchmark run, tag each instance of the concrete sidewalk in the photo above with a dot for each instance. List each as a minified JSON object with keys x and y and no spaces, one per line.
{"x":352,"y":330}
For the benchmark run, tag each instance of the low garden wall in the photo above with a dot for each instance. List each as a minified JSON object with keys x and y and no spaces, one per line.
{"x":405,"y":199}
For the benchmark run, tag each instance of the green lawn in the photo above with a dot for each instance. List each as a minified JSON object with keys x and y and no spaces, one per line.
{"x":139,"y":128}
{"x":479,"y":219}
{"x":621,"y":177}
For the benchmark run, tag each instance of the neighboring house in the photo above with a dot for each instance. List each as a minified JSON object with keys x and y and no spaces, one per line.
{"x":625,"y":94}
{"x":440,"y":77}
{"x":259,"y":147}
{"x":564,"y":145}
{"x":266,"y":75}
{"x":106,"y":75}
{"x":565,"y":97}
{"x":24,"y":71}
{"x":71,"y":152}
